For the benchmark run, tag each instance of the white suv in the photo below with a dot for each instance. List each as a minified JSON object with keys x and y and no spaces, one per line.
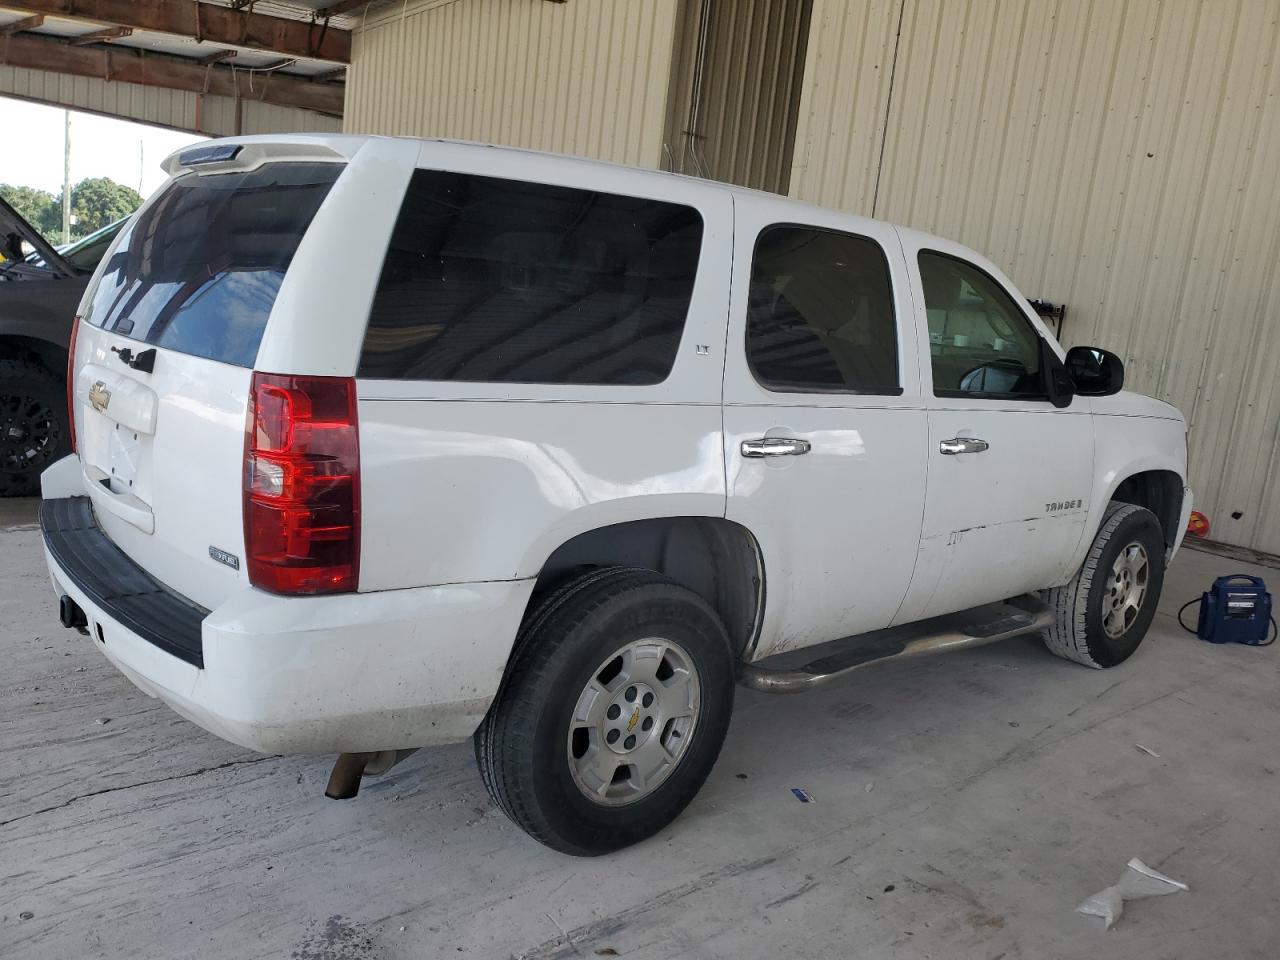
{"x":383,"y":443}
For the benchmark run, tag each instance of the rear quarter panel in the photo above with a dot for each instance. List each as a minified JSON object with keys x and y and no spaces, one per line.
{"x":466,"y":482}
{"x":458,"y":491}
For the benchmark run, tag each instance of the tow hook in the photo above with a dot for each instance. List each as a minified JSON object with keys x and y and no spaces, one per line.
{"x":71,"y":615}
{"x":350,"y":768}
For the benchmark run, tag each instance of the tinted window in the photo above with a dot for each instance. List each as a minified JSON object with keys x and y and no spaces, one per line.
{"x":820,"y":313}
{"x":979,"y":341}
{"x":199,"y":269}
{"x":505,"y":281}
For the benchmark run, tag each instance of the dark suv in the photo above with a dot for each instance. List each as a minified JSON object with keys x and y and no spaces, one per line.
{"x":40,"y":289}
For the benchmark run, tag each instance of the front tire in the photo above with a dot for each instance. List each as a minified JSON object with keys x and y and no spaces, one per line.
{"x":1104,"y":612}
{"x":612,"y":713}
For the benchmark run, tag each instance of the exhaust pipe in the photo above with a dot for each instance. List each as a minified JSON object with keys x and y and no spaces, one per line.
{"x":71,"y":616}
{"x":350,"y":768}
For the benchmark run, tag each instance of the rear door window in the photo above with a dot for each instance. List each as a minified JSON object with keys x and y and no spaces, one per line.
{"x":199,"y":269}
{"x":820,"y":313}
{"x":505,"y":281}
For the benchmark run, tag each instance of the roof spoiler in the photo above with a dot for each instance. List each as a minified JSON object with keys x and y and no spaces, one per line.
{"x":243,"y":155}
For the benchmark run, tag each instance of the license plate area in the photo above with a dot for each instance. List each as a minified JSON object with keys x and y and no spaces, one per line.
{"x":124,"y":453}
{"x":117,"y":430}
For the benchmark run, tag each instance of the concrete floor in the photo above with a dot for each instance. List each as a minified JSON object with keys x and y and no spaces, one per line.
{"x":963,"y":806}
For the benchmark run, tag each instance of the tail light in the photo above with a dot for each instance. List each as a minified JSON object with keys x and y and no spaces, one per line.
{"x":71,"y":381}
{"x":302,"y":484}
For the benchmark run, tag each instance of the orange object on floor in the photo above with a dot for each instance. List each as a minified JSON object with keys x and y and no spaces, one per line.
{"x":1198,"y":525}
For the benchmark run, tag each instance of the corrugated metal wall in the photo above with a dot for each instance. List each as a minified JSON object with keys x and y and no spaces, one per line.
{"x":168,"y":108}
{"x":255,"y":117}
{"x":586,"y":78}
{"x":742,"y":127}
{"x":1117,"y":155}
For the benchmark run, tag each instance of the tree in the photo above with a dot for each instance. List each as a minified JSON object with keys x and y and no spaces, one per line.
{"x":38,"y":207}
{"x":98,"y":201}
{"x":95,"y":202}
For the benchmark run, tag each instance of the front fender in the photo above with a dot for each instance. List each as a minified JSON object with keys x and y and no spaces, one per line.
{"x":1124,"y":446}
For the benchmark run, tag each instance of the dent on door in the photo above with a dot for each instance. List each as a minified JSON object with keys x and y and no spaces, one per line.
{"x":1002,"y":517}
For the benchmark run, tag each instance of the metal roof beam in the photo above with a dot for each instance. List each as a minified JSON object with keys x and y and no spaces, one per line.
{"x":105,"y":35}
{"x":337,"y":74}
{"x":273,"y":65}
{"x":218,"y":56}
{"x":341,"y":7}
{"x":130,"y":65}
{"x":205,"y":21}
{"x":26,"y":23}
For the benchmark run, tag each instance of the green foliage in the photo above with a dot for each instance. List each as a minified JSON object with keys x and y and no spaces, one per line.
{"x":95,"y":202}
{"x":38,"y":207}
{"x":98,"y":201}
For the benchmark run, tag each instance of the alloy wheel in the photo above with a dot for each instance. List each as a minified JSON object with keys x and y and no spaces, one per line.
{"x":633,"y":721}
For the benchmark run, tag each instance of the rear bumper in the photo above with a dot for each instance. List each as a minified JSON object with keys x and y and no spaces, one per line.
{"x":116,"y":585}
{"x":352,"y":672}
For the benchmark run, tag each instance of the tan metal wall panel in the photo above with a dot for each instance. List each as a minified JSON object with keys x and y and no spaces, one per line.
{"x":843,"y":102}
{"x":257,"y":117}
{"x":753,"y":68}
{"x":156,"y":105}
{"x":171,"y":108}
{"x":1117,"y":156}
{"x":586,"y":78}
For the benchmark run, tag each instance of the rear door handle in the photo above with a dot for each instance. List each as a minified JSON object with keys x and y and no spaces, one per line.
{"x":774,"y":447}
{"x":962,"y":445}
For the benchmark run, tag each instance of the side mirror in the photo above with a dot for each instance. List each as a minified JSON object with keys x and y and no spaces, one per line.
{"x":1094,"y":371}
{"x":1057,"y":383}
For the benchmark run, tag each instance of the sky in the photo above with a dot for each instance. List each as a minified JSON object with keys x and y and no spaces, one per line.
{"x":128,"y":153}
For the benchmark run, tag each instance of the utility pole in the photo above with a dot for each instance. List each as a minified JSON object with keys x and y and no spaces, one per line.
{"x":66,"y":180}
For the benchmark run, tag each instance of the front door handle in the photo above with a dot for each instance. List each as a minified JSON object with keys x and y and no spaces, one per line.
{"x":962,"y":445}
{"x":774,"y":447}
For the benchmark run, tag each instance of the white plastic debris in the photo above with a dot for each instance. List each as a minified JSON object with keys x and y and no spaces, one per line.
{"x":1137,"y":882}
{"x":1147,"y":750}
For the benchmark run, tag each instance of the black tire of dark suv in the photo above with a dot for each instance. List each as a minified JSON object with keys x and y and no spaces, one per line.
{"x":33,"y":424}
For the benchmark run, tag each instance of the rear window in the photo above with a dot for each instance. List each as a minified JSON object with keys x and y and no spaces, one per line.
{"x":512,"y":282}
{"x":199,"y":269}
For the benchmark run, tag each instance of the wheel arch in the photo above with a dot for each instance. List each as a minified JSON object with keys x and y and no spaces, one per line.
{"x":1159,"y":490}
{"x":1153,"y":478}
{"x":50,"y":355}
{"x":715,"y":558}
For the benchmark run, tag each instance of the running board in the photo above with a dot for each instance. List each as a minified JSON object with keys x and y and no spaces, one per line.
{"x":1017,"y":617}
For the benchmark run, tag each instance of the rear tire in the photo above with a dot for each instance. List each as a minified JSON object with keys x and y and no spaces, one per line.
{"x":612,"y":713}
{"x":1104,"y":612}
{"x":33,"y":425}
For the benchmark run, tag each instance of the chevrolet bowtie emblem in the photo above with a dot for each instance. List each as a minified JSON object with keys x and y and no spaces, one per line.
{"x":635,"y":718}
{"x":99,"y":396}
